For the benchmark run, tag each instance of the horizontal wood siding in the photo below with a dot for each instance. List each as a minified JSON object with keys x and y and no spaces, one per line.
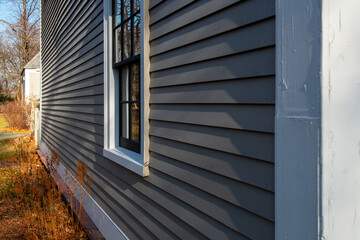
{"x":212,"y":109}
{"x":211,"y":116}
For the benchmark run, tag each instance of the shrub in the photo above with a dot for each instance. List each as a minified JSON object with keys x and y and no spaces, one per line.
{"x":17,"y":114}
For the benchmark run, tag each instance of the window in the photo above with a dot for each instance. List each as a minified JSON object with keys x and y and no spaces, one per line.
{"x":126,"y":32}
{"x":126,"y":77}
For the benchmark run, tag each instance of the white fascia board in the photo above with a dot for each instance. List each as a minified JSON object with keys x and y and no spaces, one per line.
{"x":341,"y":120}
{"x":297,"y":119}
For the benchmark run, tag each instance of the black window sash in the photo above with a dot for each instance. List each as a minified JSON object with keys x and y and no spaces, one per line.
{"x":127,"y":143}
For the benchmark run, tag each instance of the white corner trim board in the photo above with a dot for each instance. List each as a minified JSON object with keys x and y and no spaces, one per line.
{"x":102,"y":221}
{"x":341,"y":120}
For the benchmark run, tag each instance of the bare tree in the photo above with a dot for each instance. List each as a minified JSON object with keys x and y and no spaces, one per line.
{"x":19,"y":43}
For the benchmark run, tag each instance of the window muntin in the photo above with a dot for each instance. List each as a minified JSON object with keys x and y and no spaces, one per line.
{"x":126,"y":32}
{"x":126,"y":24}
{"x":133,"y":161}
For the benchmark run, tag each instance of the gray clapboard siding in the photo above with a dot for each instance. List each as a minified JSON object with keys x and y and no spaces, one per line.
{"x":250,"y":144}
{"x":94,"y":129}
{"x":257,"y":63}
{"x":71,"y":14}
{"x":78,"y":21}
{"x":211,"y":116}
{"x":56,"y":37}
{"x":49,"y":30}
{"x":229,"y":43}
{"x":85,"y":65}
{"x":55,"y":10}
{"x":117,"y":212}
{"x":93,"y":38}
{"x":225,"y":164}
{"x":212,"y":107}
{"x":88,"y":142}
{"x":85,"y":91}
{"x":88,"y":61}
{"x":82,"y":131}
{"x":204,"y":225}
{"x":190,"y":215}
{"x":92,"y":109}
{"x":167,"y":8}
{"x":243,"y":117}
{"x":238,"y":91}
{"x":83,"y":76}
{"x":227,"y":19}
{"x":88,"y":82}
{"x":154,"y":3}
{"x":185,"y":16}
{"x":243,"y":195}
{"x":241,"y":220}
{"x":87,"y":100}
{"x":91,"y":118}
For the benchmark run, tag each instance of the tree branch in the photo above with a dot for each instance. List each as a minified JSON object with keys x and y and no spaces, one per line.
{"x":8,"y":24}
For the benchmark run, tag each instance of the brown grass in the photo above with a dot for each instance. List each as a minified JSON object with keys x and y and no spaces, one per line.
{"x":30,"y":204}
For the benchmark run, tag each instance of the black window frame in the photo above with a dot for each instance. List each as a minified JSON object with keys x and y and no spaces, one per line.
{"x":127,"y":143}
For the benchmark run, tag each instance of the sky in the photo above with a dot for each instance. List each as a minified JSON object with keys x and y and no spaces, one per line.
{"x":6,"y":13}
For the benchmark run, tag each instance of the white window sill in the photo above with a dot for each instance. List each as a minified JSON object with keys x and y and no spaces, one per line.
{"x":127,"y":159}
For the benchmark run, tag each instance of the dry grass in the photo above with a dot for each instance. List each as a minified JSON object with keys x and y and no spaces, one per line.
{"x":30,"y":204}
{"x":17,"y":114}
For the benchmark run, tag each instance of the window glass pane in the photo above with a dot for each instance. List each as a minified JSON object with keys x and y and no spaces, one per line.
{"x":117,"y":12}
{"x":136,"y":5}
{"x":135,"y":83}
{"x":127,"y":9}
{"x":135,"y":121}
{"x":137,"y":34}
{"x":124,"y":120}
{"x":124,"y":88}
{"x":127,"y":40}
{"x":118,"y":47}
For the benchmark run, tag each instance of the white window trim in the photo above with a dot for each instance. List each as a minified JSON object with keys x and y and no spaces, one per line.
{"x":138,"y":163}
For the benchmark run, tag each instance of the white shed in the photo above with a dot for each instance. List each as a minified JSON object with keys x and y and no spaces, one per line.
{"x":31,"y":78}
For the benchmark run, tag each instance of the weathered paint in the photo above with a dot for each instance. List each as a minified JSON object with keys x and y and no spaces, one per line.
{"x":297,"y":120}
{"x":340,"y":120}
{"x":317,"y":154}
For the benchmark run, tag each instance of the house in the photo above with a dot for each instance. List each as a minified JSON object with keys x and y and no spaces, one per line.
{"x":207,"y":119}
{"x":31,"y":88}
{"x":31,"y":79}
